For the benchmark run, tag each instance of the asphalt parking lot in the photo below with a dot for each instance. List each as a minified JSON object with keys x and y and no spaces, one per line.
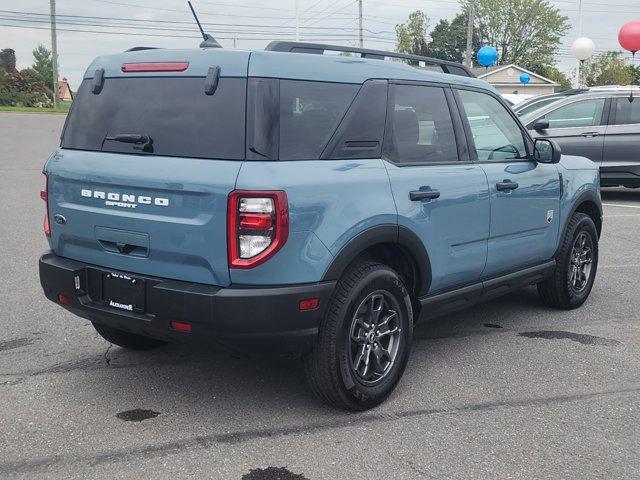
{"x":511,"y":389}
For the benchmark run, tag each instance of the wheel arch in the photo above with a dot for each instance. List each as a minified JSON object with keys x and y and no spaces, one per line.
{"x":590,"y":204}
{"x":390,"y":244}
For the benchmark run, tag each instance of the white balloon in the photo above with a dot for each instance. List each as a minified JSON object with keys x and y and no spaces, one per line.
{"x":582,"y":48}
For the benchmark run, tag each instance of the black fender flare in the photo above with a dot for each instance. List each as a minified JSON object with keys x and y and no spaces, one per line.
{"x":386,"y":233}
{"x":589,"y":195}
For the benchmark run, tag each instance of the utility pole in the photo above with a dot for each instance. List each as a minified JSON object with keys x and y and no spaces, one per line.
{"x":360,"y":36}
{"x":580,"y":62}
{"x":54,"y":52}
{"x":467,"y":59}
{"x":297,"y":22}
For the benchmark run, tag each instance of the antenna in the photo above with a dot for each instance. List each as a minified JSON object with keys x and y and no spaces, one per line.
{"x":208,"y":41}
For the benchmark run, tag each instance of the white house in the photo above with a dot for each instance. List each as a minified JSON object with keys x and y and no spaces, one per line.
{"x":506,"y":79}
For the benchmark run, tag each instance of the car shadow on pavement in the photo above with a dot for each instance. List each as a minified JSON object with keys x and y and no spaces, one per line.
{"x":183,"y":380}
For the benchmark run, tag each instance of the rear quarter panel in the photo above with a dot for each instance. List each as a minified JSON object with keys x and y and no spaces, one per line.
{"x":330,"y":202}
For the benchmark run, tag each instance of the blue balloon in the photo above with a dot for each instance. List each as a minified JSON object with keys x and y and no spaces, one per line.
{"x":487,"y":56}
{"x":524,"y":78}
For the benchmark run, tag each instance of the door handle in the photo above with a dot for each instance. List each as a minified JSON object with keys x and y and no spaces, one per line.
{"x":503,"y":186}
{"x":417,"y":195}
{"x":590,"y":134}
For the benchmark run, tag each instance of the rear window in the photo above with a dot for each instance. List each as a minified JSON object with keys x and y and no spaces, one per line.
{"x":174,"y":112}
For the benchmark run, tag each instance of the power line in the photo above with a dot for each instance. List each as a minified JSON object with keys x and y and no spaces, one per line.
{"x":128,"y":23}
{"x":268,"y":36}
{"x":61,"y":18}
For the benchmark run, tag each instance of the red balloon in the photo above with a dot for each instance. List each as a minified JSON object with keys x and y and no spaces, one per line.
{"x":629,"y":36}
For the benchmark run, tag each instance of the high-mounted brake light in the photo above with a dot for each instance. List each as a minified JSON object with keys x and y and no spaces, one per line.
{"x":257,"y":226}
{"x":44,"y":195}
{"x":154,"y":67}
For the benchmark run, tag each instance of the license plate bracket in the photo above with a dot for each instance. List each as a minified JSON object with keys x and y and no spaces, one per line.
{"x":123,"y":292}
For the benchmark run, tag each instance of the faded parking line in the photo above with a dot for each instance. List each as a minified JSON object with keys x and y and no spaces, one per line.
{"x":620,"y":205}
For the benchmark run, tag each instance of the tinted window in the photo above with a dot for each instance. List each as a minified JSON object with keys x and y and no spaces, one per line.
{"x":496,"y":134}
{"x":361,"y":131}
{"x":309,"y":114}
{"x":263,"y":118}
{"x":626,"y":112}
{"x":583,"y":113}
{"x":419,"y":126}
{"x":174,"y":112}
{"x":532,"y":107}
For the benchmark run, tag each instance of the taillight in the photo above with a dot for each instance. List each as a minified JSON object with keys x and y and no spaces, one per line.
{"x":44,"y":195}
{"x":258,"y":226}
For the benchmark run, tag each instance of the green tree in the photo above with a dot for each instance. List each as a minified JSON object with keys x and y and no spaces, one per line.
{"x":412,"y":35}
{"x":43,"y":65}
{"x":608,"y":68}
{"x":449,"y":39}
{"x":552,"y":73}
{"x":635,"y":74}
{"x":525,"y":32}
{"x":8,"y":59}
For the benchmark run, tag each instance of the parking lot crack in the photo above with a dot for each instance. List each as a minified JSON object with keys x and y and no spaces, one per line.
{"x":107,"y":358}
{"x":231,"y":438}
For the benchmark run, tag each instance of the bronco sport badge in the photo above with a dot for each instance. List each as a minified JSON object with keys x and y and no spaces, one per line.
{"x":124,"y":200}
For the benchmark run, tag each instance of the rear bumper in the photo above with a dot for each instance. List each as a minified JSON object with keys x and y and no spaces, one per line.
{"x":248,"y":320}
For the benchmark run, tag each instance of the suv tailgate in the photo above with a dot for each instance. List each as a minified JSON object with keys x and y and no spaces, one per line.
{"x":151,"y":215}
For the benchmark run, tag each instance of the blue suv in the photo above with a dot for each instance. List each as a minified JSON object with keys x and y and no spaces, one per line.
{"x":290,"y":202}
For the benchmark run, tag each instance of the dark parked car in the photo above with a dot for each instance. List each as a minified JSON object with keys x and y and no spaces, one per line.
{"x":602,"y":125}
{"x":539,"y":101}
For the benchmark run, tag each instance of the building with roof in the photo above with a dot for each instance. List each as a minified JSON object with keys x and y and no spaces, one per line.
{"x":64,"y":90}
{"x":506,"y":79}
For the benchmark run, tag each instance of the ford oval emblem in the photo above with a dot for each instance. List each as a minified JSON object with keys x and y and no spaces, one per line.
{"x":60,"y":220}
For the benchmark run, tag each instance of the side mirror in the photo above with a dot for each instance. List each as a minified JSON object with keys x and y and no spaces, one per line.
{"x":546,"y":150}
{"x":541,"y":124}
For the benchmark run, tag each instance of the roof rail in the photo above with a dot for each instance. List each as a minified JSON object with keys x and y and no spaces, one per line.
{"x":319,"y":48}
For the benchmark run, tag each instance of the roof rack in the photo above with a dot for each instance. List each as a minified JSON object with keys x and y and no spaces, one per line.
{"x":319,"y":48}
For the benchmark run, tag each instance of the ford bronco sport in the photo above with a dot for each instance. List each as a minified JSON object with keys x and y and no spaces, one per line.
{"x":294,"y":203}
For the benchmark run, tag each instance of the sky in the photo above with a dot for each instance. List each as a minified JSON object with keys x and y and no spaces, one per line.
{"x":117,"y":25}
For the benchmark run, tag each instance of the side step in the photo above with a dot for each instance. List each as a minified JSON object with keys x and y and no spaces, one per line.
{"x":463,"y":297}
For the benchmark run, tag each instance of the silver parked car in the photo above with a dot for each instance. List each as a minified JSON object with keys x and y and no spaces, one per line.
{"x":601,"y":124}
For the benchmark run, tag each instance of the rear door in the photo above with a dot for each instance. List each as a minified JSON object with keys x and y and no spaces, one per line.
{"x":439,"y":193}
{"x":525,"y":195}
{"x":621,"y":161}
{"x":578,"y":127}
{"x":158,"y":206}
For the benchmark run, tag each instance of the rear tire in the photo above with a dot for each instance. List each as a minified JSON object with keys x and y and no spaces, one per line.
{"x":127,"y":340}
{"x":576,"y":266}
{"x":364,"y":341}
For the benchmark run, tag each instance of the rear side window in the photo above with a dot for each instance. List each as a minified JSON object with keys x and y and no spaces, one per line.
{"x":626,"y":112}
{"x":419,"y":126}
{"x":294,"y":119}
{"x":584,"y":113}
{"x":174,"y":112}
{"x":309,"y":114}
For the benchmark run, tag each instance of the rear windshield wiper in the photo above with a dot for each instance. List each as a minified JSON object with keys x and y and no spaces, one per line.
{"x":145,"y":141}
